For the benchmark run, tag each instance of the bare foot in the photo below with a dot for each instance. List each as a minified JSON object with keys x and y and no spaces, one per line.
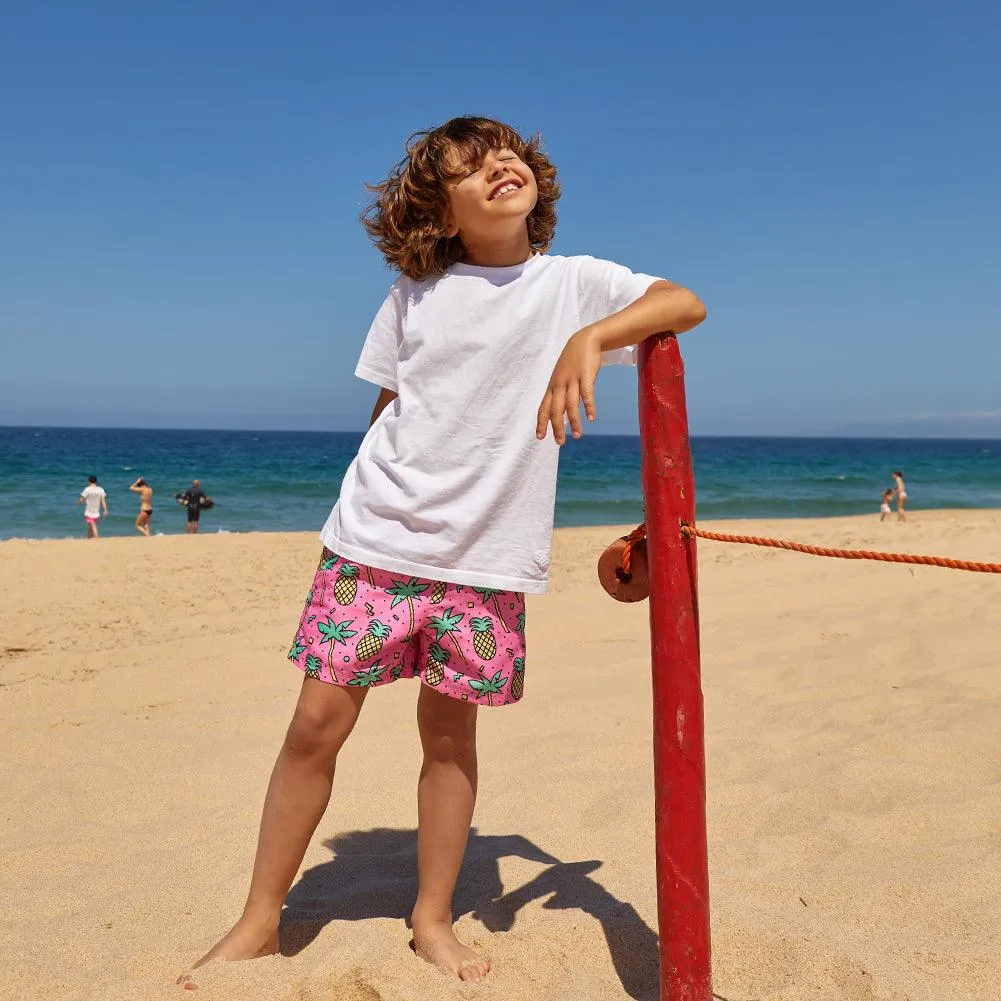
{"x":243,"y":941}
{"x":435,"y":943}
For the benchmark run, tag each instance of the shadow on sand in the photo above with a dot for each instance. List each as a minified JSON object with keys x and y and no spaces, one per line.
{"x":373,"y":875}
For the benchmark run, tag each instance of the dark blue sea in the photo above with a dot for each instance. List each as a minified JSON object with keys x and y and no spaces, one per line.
{"x":288,"y":480}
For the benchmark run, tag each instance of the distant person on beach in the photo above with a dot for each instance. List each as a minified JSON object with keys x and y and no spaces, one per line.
{"x":901,"y":492}
{"x":195,"y":501}
{"x":445,"y":517}
{"x":97,"y":503}
{"x":145,"y":515}
{"x":884,"y":507}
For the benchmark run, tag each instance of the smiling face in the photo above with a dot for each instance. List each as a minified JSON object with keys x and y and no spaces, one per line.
{"x":492,"y":199}
{"x":472,"y":190}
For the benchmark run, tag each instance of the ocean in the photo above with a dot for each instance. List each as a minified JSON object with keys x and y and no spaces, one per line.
{"x":268,"y":481}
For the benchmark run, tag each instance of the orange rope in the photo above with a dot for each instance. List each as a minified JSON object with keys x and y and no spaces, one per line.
{"x":845,"y":554}
{"x":635,"y":536}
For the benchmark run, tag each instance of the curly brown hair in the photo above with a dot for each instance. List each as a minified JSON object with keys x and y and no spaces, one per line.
{"x":408,"y":217}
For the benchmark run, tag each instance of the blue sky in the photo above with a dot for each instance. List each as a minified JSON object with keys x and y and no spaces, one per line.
{"x":180,"y":185}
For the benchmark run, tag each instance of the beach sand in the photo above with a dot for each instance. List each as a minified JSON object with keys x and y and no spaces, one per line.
{"x":854,"y":778}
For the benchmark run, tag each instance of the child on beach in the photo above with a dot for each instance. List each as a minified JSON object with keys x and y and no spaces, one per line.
{"x":884,"y":507}
{"x":445,"y":517}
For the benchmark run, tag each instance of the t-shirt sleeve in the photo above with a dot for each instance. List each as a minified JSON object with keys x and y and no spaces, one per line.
{"x":603,"y":288}
{"x":381,"y":350}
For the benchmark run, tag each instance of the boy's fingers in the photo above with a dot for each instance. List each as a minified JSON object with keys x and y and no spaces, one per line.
{"x":573,"y":410}
{"x":556,"y":411}
{"x":587,"y":395}
{"x":542,"y":418}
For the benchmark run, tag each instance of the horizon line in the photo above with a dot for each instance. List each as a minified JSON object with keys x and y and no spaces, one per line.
{"x":592,"y":434}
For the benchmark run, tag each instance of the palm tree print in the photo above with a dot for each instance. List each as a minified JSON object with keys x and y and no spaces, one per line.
{"x":488,"y":687}
{"x":446,"y":624}
{"x":297,"y":648}
{"x":520,"y":627}
{"x":407,"y":591}
{"x":367,"y":678}
{"x":336,"y":632}
{"x":488,"y":594}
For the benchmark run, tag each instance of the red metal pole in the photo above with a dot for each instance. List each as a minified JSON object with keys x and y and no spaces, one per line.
{"x":678,"y":747}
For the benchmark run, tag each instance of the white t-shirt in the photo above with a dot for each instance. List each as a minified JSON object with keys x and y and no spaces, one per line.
{"x":450,"y":482}
{"x":93,"y":495}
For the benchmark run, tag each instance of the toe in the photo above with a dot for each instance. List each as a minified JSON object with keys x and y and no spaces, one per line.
{"x":474,"y":970}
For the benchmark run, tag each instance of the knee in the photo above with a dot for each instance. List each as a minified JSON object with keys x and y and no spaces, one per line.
{"x":448,"y":736}
{"x":312,"y":734}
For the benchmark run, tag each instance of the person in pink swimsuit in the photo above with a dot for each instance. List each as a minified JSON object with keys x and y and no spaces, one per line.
{"x":444,"y":519}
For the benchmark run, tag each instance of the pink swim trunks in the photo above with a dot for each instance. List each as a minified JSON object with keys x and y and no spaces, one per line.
{"x":366,"y":627}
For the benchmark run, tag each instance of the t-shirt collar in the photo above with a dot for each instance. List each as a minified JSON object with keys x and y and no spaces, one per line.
{"x":498,"y":275}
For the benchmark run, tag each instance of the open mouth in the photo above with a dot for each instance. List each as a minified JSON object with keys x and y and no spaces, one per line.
{"x":504,"y":188}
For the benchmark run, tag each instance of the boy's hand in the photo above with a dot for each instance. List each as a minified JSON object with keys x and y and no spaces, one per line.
{"x":572,"y":382}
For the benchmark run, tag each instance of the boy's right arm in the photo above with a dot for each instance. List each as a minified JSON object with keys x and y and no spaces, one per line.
{"x":386,"y":396}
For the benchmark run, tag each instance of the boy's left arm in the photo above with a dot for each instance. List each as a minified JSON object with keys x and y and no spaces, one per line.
{"x":665,"y":308}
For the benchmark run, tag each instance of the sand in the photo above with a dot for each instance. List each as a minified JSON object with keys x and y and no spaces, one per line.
{"x":854,"y":778}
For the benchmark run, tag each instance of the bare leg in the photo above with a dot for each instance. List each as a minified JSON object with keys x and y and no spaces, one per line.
{"x":141,"y":522}
{"x":446,"y":794}
{"x":296,"y":800}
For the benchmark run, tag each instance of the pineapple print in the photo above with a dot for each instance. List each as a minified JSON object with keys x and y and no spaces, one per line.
{"x":518,"y":681}
{"x":437,"y":661}
{"x":370,"y":645}
{"x":346,"y":588}
{"x":489,"y":595}
{"x":484,"y":641}
{"x":438,"y":592}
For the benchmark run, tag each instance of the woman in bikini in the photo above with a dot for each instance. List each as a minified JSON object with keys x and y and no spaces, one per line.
{"x":901,"y":492}
{"x":145,"y":515}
